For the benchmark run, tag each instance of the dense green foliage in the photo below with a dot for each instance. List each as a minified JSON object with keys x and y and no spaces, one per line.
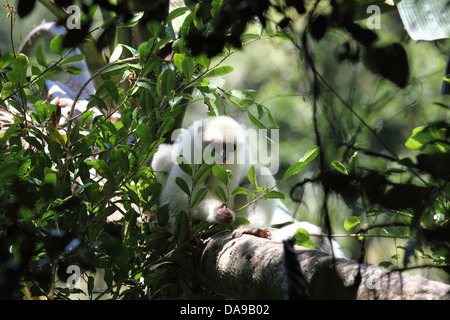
{"x":59,"y":183}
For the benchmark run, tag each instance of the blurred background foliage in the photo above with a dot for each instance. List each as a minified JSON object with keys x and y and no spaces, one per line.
{"x":276,"y":70}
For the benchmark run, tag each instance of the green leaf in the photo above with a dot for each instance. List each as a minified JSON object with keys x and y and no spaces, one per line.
{"x":252,"y":175}
{"x":166,"y":126}
{"x":73,"y":70}
{"x":104,"y":170}
{"x":282,"y":36}
{"x":385,"y":264}
{"x":131,"y":22}
{"x":56,"y":45}
{"x":216,"y":5}
{"x":185,"y":27}
{"x":7,"y":89}
{"x":84,"y":186}
{"x":274,"y":195}
{"x":310,"y":155}
{"x":144,"y":132}
{"x":202,"y":174}
{"x":212,"y":106}
{"x":240,"y":190}
{"x":186,"y":167}
{"x":294,"y":169}
{"x":271,"y":119}
{"x":19,"y":70}
{"x":303,"y":239}
{"x":351,"y":222}
{"x":241,"y":99}
{"x":178,"y":61}
{"x":7,"y":58}
{"x":167,"y":79}
{"x":220,"y":71}
{"x":183,"y":185}
{"x":197,"y":18}
{"x":340,"y":167}
{"x":116,"y":54}
{"x":428,"y":137}
{"x":240,"y":221}
{"x":181,"y":228}
{"x":111,"y":88}
{"x":220,"y":173}
{"x":220,"y":193}
{"x":74,"y":58}
{"x":198,"y":197}
{"x":41,"y":55}
{"x":446,"y":78}
{"x":255,"y":121}
{"x":257,"y":190}
{"x":157,"y":265}
{"x":154,"y":26}
{"x":121,"y":156}
{"x":188,"y":67}
{"x":176,"y":13}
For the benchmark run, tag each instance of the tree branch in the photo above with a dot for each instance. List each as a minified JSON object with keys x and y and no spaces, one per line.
{"x":249,"y":267}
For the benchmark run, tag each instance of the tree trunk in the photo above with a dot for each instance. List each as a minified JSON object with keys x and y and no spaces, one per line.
{"x":253,"y":268}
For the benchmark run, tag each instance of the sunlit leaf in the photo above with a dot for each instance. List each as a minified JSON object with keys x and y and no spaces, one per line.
{"x":240,"y":98}
{"x":56,"y":45}
{"x":7,"y":58}
{"x":240,"y":190}
{"x":252,"y":175}
{"x":351,"y":222}
{"x":340,"y":167}
{"x":219,"y":71}
{"x":310,"y":154}
{"x":274,"y":195}
{"x":215,"y":7}
{"x":303,"y":239}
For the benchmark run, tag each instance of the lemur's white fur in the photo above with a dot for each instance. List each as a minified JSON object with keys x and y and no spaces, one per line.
{"x":197,"y":141}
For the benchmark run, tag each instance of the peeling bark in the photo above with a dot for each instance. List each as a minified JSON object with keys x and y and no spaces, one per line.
{"x":252,"y":268}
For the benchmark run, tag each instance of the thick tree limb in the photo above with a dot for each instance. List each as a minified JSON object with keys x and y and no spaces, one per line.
{"x":250,"y":267}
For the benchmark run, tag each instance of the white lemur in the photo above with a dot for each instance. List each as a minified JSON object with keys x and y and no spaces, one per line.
{"x":222,"y":140}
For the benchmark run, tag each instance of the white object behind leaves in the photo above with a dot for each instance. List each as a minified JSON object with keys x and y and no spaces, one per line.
{"x":425,"y":20}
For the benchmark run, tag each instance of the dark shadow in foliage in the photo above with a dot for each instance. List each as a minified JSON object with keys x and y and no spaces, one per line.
{"x":21,"y":240}
{"x":24,"y":7}
{"x":123,"y":10}
{"x":377,"y":189}
{"x":438,"y":238}
{"x":296,"y":285}
{"x":228,"y":25}
{"x":326,"y":284}
{"x":389,"y":61}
